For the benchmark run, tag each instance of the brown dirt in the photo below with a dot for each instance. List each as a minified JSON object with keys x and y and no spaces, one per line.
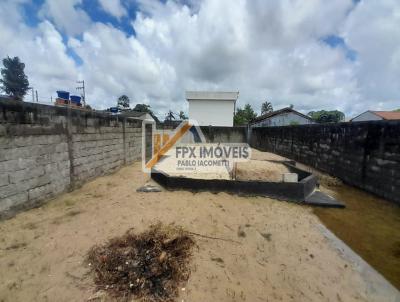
{"x":249,"y":248}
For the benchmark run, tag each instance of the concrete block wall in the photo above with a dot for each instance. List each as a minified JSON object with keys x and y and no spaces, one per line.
{"x":363,"y":154}
{"x":225,"y":134}
{"x":46,"y":150}
{"x":32,"y":169}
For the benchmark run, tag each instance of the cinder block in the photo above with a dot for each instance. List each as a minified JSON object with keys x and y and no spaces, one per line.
{"x":4,"y":179}
{"x":8,"y":190}
{"x":21,"y":175}
{"x":13,"y":200}
{"x":38,"y":193}
{"x":16,"y":164}
{"x":62,"y":147}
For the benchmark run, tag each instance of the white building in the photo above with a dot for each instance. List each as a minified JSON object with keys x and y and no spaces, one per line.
{"x":376,"y":116}
{"x":283,"y":117}
{"x":212,"y":108}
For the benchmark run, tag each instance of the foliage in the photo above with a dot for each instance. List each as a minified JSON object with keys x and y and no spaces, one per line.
{"x":147,"y":109}
{"x":323,"y":116}
{"x":142,"y":108}
{"x":123,"y":101}
{"x":182,"y":116}
{"x":244,"y":116}
{"x":14,"y":81}
{"x":170,"y":116}
{"x":397,"y":110}
{"x":266,"y":107}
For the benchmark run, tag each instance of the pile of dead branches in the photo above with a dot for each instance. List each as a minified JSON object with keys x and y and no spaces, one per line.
{"x":151,"y":266}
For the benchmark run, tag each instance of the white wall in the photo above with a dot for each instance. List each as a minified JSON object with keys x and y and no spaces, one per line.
{"x":366,"y":116}
{"x":212,"y":112}
{"x":283,"y":119}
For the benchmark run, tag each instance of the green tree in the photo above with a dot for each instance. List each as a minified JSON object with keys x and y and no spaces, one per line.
{"x":266,"y":107}
{"x":123,"y":101}
{"x":244,"y":116}
{"x":323,"y":116}
{"x":170,"y":116}
{"x":147,"y":109}
{"x":182,"y":115}
{"x":14,"y":81}
{"x":142,"y":108}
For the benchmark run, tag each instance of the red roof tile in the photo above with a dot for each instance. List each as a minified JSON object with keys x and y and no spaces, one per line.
{"x":388,"y":115}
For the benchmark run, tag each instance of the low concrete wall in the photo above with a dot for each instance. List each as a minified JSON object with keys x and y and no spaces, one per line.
{"x":46,"y":150}
{"x":363,"y":154}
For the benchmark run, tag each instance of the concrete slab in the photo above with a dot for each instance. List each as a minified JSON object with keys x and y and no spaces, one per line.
{"x":317,"y":198}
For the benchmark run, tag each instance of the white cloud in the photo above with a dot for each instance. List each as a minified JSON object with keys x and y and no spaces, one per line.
{"x":115,"y":65}
{"x":113,"y":7}
{"x":373,"y":30}
{"x":265,"y":49}
{"x":250,"y":50}
{"x":48,"y":65}
{"x":66,"y":15}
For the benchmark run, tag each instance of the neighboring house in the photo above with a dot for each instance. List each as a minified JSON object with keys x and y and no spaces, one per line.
{"x":138,"y":115}
{"x":282,"y":117}
{"x":212,"y":108}
{"x":376,"y":116}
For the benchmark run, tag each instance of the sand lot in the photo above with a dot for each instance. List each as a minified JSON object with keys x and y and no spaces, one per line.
{"x":279,"y":253}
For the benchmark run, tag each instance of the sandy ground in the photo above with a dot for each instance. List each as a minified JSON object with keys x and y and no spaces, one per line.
{"x":280,"y":254}
{"x":260,"y":170}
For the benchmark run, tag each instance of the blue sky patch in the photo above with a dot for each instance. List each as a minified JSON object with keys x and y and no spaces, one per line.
{"x":336,"y":41}
{"x":29,"y":11}
{"x":97,"y":14}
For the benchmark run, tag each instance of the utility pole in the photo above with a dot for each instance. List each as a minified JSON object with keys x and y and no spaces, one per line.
{"x":37,"y":101}
{"x":33,"y":94}
{"x":83,"y":91}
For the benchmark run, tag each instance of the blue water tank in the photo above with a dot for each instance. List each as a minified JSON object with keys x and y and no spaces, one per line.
{"x":75,"y":99}
{"x":63,"y":94}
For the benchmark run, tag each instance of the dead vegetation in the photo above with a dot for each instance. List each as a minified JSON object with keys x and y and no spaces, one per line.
{"x":151,"y":266}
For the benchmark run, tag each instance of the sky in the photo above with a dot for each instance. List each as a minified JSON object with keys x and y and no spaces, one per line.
{"x":314,"y":54}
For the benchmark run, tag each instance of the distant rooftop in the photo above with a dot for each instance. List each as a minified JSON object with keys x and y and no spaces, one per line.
{"x":388,"y":115}
{"x":212,"y":95}
{"x":280,"y":111}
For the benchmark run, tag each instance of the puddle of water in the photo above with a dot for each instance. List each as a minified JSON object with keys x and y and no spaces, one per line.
{"x":369,"y":225}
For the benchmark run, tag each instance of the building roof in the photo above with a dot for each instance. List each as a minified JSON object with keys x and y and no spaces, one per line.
{"x":280,"y":111}
{"x":386,"y":115}
{"x":212,"y":95}
{"x":132,"y":113}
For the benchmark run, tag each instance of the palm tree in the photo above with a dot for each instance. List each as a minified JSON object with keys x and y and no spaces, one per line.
{"x":170,"y":116}
{"x":182,"y":115}
{"x":266,"y":107}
